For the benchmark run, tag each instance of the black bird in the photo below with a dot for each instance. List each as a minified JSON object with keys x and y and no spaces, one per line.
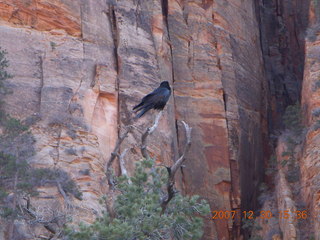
{"x":154,"y":100}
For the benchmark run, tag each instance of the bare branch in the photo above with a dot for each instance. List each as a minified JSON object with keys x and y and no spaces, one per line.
{"x":49,"y":228}
{"x":42,"y":218}
{"x":122,"y":165}
{"x":172,"y":170}
{"x":115,"y":154}
{"x":109,"y":203}
{"x":63,"y":193}
{"x":180,"y":161}
{"x":149,"y":131}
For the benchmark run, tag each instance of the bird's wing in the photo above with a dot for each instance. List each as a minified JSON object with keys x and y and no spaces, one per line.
{"x":159,"y":99}
{"x":147,"y":98}
{"x":143,"y":101}
{"x":156,"y":99}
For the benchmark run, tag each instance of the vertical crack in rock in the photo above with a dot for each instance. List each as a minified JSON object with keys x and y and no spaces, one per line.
{"x":81,"y":21}
{"x":58,"y":146}
{"x":115,"y":34}
{"x":282,"y":25}
{"x":115,"y":37}
{"x":165,"y":14}
{"x":165,"y":11}
{"x":41,"y":82}
{"x":164,"y":6}
{"x":111,"y":15}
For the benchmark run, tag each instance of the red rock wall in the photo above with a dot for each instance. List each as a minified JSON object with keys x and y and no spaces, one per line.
{"x":42,"y":15}
{"x":309,"y":162}
{"x":218,"y":74}
{"x":87,"y":63}
{"x":283,"y":24}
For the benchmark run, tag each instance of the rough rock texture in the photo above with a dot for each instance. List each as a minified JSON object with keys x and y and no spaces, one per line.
{"x":70,"y":83}
{"x":283,"y":24}
{"x":310,"y":103}
{"x":80,"y":66}
{"x":43,"y":15}
{"x":216,"y":56}
{"x":285,"y":200}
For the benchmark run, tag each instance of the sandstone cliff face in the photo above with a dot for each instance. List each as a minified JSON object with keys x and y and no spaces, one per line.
{"x":80,"y":66}
{"x":309,"y":163}
{"x":216,"y":55}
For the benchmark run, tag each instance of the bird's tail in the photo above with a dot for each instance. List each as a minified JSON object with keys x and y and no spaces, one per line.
{"x":143,"y":111}
{"x":138,"y":106}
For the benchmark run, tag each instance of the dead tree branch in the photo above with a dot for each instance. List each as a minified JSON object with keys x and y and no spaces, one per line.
{"x":149,"y":131}
{"x":115,"y":154}
{"x":41,"y":217}
{"x":63,"y":193}
{"x":122,"y":164}
{"x":173,"y":169}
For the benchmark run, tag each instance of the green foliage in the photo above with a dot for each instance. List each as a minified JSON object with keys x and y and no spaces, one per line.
{"x":53,"y":45}
{"x":14,"y":126}
{"x":11,"y":125}
{"x":284,"y":154}
{"x":316,"y":126}
{"x":251,"y":226}
{"x":4,"y":75}
{"x":256,"y":238}
{"x":292,"y":119}
{"x":317,"y":9}
{"x":316,"y":112}
{"x":6,"y":212}
{"x":138,"y":211}
{"x":316,"y":85}
{"x":293,"y":175}
{"x":284,"y":163}
{"x":71,"y":151}
{"x":46,"y":176}
{"x":17,"y":176}
{"x":312,"y":32}
{"x":264,"y":193}
{"x":3,"y":194}
{"x":272,"y":165}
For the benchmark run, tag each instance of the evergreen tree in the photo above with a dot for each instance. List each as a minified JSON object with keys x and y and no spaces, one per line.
{"x":138,"y":211}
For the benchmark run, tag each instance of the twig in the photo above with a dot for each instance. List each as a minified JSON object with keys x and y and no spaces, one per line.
{"x":110,"y":199}
{"x":180,"y":161}
{"x":46,"y":224}
{"x":31,"y":213}
{"x":115,"y":154}
{"x":148,"y":131}
{"x":49,"y":228}
{"x":172,"y":170}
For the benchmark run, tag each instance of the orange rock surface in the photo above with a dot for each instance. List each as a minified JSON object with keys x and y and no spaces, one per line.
{"x":42,"y":15}
{"x":80,"y":66}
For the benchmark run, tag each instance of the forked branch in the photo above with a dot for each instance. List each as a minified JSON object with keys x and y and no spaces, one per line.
{"x":173,"y":169}
{"x":115,"y":154}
